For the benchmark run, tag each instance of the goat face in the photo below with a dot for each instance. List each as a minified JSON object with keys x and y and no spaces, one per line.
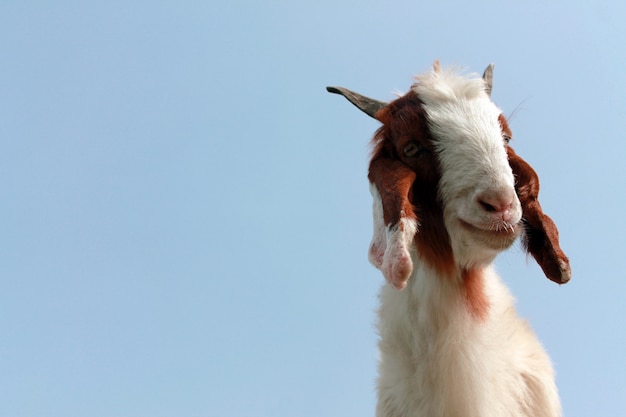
{"x":444,"y":178}
{"x":457,"y":151}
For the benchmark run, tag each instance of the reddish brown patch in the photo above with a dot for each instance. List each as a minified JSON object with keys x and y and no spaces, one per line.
{"x":408,"y":184}
{"x":506,"y":131}
{"x":541,"y":237}
{"x":404,"y":122}
{"x":432,"y":239}
{"x":393,"y":181}
{"x":474,"y":287}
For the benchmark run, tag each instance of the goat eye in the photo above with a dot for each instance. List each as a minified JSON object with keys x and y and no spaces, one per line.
{"x":412,"y":149}
{"x":507,"y":139}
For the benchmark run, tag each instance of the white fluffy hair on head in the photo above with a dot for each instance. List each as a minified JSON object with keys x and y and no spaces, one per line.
{"x":443,"y":84}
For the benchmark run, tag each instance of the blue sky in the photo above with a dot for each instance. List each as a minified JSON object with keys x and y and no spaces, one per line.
{"x":185,"y":214}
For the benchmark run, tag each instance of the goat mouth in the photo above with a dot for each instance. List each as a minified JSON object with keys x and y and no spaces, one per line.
{"x":498,"y":237}
{"x":495,"y":230}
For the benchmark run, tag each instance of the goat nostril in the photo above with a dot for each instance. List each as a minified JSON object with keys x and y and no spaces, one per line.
{"x":487,"y":207}
{"x":500,"y":202}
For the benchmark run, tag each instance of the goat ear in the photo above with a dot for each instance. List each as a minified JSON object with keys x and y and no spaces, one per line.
{"x":367,"y":105}
{"x":391,"y":182}
{"x":488,"y":78}
{"x":541,"y":237}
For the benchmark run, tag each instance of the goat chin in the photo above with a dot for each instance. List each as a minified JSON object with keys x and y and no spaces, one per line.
{"x":492,"y":239}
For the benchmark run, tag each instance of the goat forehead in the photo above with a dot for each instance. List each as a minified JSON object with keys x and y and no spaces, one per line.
{"x":460,"y":114}
{"x":465,"y":123}
{"x":469,"y":144}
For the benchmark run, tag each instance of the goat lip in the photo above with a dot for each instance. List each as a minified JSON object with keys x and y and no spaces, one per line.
{"x":491,"y":229}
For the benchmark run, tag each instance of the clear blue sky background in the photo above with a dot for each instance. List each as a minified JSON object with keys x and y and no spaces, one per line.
{"x":185,"y":215}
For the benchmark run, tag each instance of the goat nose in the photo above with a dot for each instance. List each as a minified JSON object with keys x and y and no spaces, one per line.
{"x":499,"y":202}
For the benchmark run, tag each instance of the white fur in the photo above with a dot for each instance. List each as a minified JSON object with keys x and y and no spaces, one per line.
{"x":379,"y":241}
{"x":437,"y":358}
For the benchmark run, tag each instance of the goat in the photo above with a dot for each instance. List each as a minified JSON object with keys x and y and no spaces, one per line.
{"x":449,"y":194}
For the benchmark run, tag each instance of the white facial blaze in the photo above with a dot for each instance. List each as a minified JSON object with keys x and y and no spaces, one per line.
{"x":474,"y":167}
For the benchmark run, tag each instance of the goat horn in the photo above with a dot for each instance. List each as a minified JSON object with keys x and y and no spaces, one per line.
{"x":367,"y":105}
{"x":488,"y":77}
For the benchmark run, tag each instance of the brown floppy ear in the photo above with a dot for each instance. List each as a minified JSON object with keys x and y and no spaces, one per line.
{"x":393,"y":180}
{"x":395,"y":222}
{"x":541,"y":237}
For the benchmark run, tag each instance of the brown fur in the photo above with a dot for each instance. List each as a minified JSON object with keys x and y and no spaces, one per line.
{"x":408,"y":185}
{"x":477,"y":301}
{"x":541,"y":237}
